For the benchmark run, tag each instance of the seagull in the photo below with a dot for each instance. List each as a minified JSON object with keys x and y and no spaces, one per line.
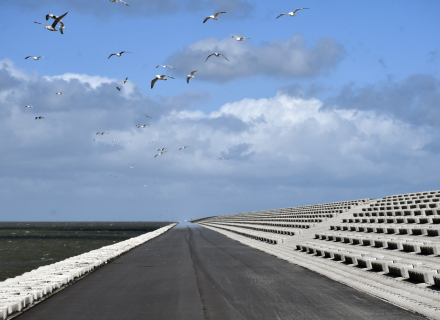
{"x":223,"y":158}
{"x":110,"y":145}
{"x":54,"y":24}
{"x":240,"y":38}
{"x":216,"y":54}
{"x":183,"y":147}
{"x":102,"y":133}
{"x":151,"y":142}
{"x":126,"y":79}
{"x":114,"y":140}
{"x":131,"y":164}
{"x":131,"y":167}
{"x":159,"y":77}
{"x":28,"y":106}
{"x":292,"y":14}
{"x":160,"y":149}
{"x":118,"y":88}
{"x":130,"y":176}
{"x":118,"y":54}
{"x":139,"y":126}
{"x":96,"y":139}
{"x":113,"y":176}
{"x":214,"y":16}
{"x":124,"y":2}
{"x":190,"y":76}
{"x":61,"y":27}
{"x":147,"y":116}
{"x":165,"y":66}
{"x":159,"y":154}
{"x":60,"y":93}
{"x":39,"y":118}
{"x":36,"y":58}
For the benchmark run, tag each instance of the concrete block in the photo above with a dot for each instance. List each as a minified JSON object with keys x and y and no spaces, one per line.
{"x":412,"y":220}
{"x":3,"y":313}
{"x":401,"y":220}
{"x":352,"y":258}
{"x":395,"y":245}
{"x":419,"y":231}
{"x":381,"y":265}
{"x":381,"y":243}
{"x":405,"y":230}
{"x":365,"y":262}
{"x":399,"y":269}
{"x":330,"y":253}
{"x":422,"y":275}
{"x":339,"y":256}
{"x":433,"y":232}
{"x":426,"y":219}
{"x":436,"y":280}
{"x":412,"y":246}
{"x":430,"y":249}
{"x":367,"y":241}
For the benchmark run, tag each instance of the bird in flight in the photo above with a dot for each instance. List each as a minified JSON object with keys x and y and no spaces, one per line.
{"x":126,"y":79}
{"x":118,"y":54}
{"x":292,"y":14}
{"x":119,"y":89}
{"x":190,"y":76}
{"x":139,"y":126}
{"x":165,"y":67}
{"x":39,"y":118}
{"x":113,"y":176}
{"x":216,"y":54}
{"x":147,"y":116}
{"x":61,"y":27}
{"x":214,"y":16}
{"x":183,"y":147}
{"x":240,"y":38}
{"x":60,"y":93}
{"x":159,"y":154}
{"x":54,"y":24}
{"x":151,"y":142}
{"x":36,"y":58}
{"x":160,"y":149}
{"x":110,"y":145}
{"x":159,"y":77}
{"x":223,"y":158}
{"x":102,"y":133}
{"x":28,"y":106}
{"x":119,"y":0}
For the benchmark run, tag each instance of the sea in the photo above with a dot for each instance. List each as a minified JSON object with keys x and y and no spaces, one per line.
{"x":25,"y":246}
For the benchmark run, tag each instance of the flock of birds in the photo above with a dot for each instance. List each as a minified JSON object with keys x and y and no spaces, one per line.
{"x":58,"y":22}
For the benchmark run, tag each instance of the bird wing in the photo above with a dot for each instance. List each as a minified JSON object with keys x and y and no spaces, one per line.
{"x":192,"y":72}
{"x":41,"y":23}
{"x":218,"y":13}
{"x":58,"y":20}
{"x":224,"y":56}
{"x":187,"y":79}
{"x":153,"y":82}
{"x":159,"y":66}
{"x":209,"y":56}
{"x":171,"y":67}
{"x":281,"y":15}
{"x":28,"y":57}
{"x":206,"y":19}
{"x":124,"y":2}
{"x":111,"y":55}
{"x":299,"y":9}
{"x":164,"y":75}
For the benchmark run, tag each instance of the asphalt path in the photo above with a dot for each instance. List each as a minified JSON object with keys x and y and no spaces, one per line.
{"x":195,"y":273}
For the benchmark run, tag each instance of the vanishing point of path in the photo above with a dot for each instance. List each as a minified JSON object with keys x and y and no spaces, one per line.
{"x":195,"y":274}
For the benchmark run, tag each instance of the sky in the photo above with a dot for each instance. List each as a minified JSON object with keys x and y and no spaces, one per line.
{"x":340,"y":102}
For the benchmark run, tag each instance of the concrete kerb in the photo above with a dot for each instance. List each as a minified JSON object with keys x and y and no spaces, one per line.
{"x":24,"y":292}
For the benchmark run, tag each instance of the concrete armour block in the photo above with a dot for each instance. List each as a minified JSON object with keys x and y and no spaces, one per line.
{"x":399,"y":269}
{"x":3,"y":313}
{"x":330,"y":253}
{"x":298,"y":247}
{"x":433,"y":232}
{"x":352,"y":258}
{"x":367,"y":241}
{"x":412,"y":246}
{"x":396,"y":245}
{"x":419,"y":231}
{"x":365,"y":262}
{"x":381,"y":265}
{"x":339,"y":256}
{"x":436,"y":280}
{"x":422,"y":275}
{"x":381,"y":243}
{"x":430,"y":249}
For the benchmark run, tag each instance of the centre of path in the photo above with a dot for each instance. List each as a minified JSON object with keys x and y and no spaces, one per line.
{"x":195,"y":273}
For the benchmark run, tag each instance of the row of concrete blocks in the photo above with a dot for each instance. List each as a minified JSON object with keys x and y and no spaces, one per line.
{"x":419,"y":206}
{"x":417,"y":194}
{"x":409,"y":219}
{"x":318,"y":220}
{"x":248,"y":233}
{"x":284,"y":231}
{"x":285,"y":225}
{"x":424,"y":247}
{"x":431,"y":231}
{"x":397,"y":267}
{"x":399,"y":213}
{"x":23,"y":291}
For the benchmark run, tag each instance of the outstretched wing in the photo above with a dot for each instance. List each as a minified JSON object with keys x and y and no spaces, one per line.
{"x":224,"y":57}
{"x":218,"y":14}
{"x":206,"y":19}
{"x":113,"y":54}
{"x":299,"y":9}
{"x":192,"y":72}
{"x":41,"y":23}
{"x":28,"y":57}
{"x":153,"y":82}
{"x":281,"y":15}
{"x":58,"y":20}
{"x":124,"y":2}
{"x":209,"y":56}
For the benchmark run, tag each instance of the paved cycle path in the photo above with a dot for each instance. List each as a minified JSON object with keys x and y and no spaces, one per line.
{"x":195,"y":273}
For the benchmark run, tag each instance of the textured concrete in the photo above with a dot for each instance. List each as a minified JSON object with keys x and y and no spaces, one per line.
{"x":196,"y":273}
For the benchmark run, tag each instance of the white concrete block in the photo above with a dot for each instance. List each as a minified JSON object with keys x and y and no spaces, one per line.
{"x":422,"y":275}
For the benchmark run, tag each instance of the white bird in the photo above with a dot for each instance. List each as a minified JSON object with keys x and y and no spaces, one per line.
{"x":28,"y":106}
{"x":36,"y":58}
{"x":159,"y":154}
{"x":151,"y":142}
{"x":131,"y":167}
{"x":124,"y":2}
{"x":114,"y":140}
{"x":190,"y":76}
{"x":292,"y":14}
{"x":60,"y":93}
{"x":118,"y":54}
{"x":131,"y":164}
{"x":160,"y":149}
{"x":214,"y":16}
{"x":139,"y":126}
{"x":159,"y":77}
{"x":147,"y":116}
{"x":183,"y":147}
{"x":240,"y":38}
{"x":54,"y":24}
{"x":102,"y":133}
{"x":165,"y":67}
{"x":126,"y":79}
{"x":61,"y":27}
{"x":223,"y":158}
{"x":216,"y":54}
{"x":96,"y":139}
{"x":110,"y":145}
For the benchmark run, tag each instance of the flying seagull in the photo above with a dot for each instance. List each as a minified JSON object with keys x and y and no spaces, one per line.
{"x":190,"y":76}
{"x":28,"y":106}
{"x":216,"y":54}
{"x":126,"y":79}
{"x":240,"y":38}
{"x":119,"y":0}
{"x":183,"y":147}
{"x":160,"y":149}
{"x":60,"y":93}
{"x":110,"y":145}
{"x":35,"y":58}
{"x":118,"y":54}
{"x":223,"y":158}
{"x":61,"y":27}
{"x":165,"y":67}
{"x":102,"y":133}
{"x":292,"y":14}
{"x":54,"y":24}
{"x":119,"y":89}
{"x":39,"y":118}
{"x":139,"y":126}
{"x":159,"y":77}
{"x":147,"y":116}
{"x":214,"y":16}
{"x":159,"y":154}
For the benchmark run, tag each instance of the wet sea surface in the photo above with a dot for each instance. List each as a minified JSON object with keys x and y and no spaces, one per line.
{"x":25,"y":246}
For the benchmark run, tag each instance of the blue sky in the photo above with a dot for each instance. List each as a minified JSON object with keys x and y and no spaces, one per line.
{"x":338,"y":103}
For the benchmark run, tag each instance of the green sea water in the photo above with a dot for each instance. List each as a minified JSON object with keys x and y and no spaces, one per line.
{"x":25,"y":246}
